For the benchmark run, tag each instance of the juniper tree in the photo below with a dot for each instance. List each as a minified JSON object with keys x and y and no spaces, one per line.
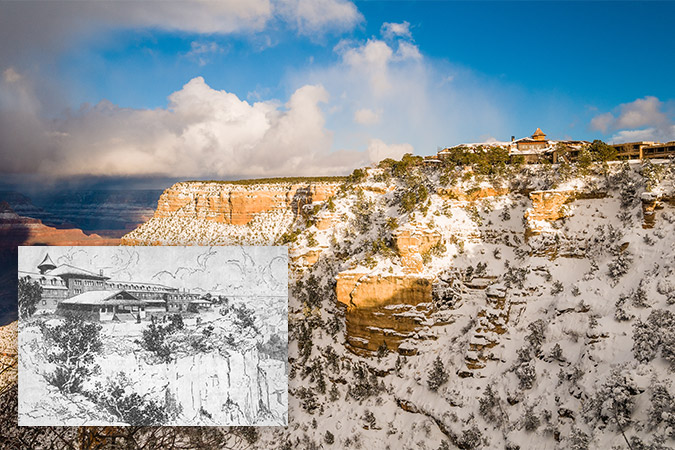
{"x":437,"y":376}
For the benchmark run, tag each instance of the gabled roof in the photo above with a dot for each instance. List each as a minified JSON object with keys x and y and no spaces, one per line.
{"x":104,"y":298}
{"x":66,"y":270}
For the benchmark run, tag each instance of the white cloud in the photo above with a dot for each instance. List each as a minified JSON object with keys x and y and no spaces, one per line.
{"x":367,"y":116}
{"x":378,"y":150}
{"x":602,"y":122}
{"x":201,"y":51}
{"x":391,"y":30}
{"x":319,"y":16}
{"x":641,"y":119}
{"x":202,"y":132}
{"x":46,"y":28}
{"x":374,"y":60}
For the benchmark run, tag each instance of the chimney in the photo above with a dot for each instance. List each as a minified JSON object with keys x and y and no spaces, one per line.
{"x":100,"y":272}
{"x":513,"y":138}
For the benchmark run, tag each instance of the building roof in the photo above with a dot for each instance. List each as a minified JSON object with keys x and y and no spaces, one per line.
{"x":104,"y":298}
{"x":201,"y":301}
{"x":46,"y":263}
{"x":538,"y":134}
{"x":66,"y":270}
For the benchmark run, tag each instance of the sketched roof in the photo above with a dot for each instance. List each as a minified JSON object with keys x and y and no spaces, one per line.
{"x":47,"y":263}
{"x":104,"y":298}
{"x":66,"y":270}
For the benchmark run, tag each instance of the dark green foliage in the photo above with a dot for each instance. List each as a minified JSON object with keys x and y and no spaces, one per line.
{"x":357,"y":176}
{"x":654,"y":335}
{"x":365,"y":383}
{"x":334,"y":393}
{"x":328,"y":438}
{"x":71,"y":346}
{"x":382,"y":350}
{"x":402,"y":167}
{"x":652,"y":174}
{"x":413,"y":196}
{"x":290,"y":237}
{"x":578,"y":440}
{"x":30,"y":293}
{"x":485,"y":160}
{"x":526,"y":374}
{"x":557,"y":288}
{"x":614,"y":400}
{"x":601,"y":152}
{"x":489,"y":407}
{"x":470,"y":439}
{"x":307,"y":399}
{"x":437,"y":376}
{"x":278,"y":180}
{"x":530,"y":420}
{"x":304,"y":337}
{"x":369,"y":419}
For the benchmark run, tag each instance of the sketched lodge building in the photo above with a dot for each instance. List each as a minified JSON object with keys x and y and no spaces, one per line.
{"x":66,"y":288}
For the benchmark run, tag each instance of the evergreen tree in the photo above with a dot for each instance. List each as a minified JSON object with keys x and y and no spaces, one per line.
{"x":437,"y":375}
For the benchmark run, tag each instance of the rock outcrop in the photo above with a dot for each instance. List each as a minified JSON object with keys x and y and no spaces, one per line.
{"x":547,"y":206}
{"x":413,"y":242}
{"x":471,"y":195}
{"x":383,"y":309}
{"x":237,"y":204}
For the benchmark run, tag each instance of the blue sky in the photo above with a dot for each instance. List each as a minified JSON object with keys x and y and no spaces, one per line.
{"x":292,"y":87}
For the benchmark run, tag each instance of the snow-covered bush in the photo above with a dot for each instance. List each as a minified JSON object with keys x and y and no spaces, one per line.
{"x":662,"y":409}
{"x":657,"y":334}
{"x":437,"y":376}
{"x":614,"y":400}
{"x":620,"y":265}
{"x":526,"y":374}
{"x":490,"y":408}
{"x":530,"y":419}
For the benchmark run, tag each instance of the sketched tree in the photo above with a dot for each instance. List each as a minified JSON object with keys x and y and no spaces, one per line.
{"x":30,"y":293}
{"x":72,"y":345}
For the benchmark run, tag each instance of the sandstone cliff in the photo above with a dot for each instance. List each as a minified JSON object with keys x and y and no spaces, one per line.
{"x":216,"y":210}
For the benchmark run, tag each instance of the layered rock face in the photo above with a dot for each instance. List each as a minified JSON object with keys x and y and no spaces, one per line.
{"x":383,"y":309}
{"x":218,"y":213}
{"x":652,"y":203}
{"x":547,"y":206}
{"x":237,"y":204}
{"x":471,"y":195}
{"x":412,"y":243}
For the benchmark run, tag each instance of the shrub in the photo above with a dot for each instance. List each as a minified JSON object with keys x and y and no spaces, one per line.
{"x":489,"y":407}
{"x":329,"y":438}
{"x":530,"y":420}
{"x":437,"y":376}
{"x":131,"y":407}
{"x":613,"y":402}
{"x":30,"y":293}
{"x":526,"y":374}
{"x":72,"y":345}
